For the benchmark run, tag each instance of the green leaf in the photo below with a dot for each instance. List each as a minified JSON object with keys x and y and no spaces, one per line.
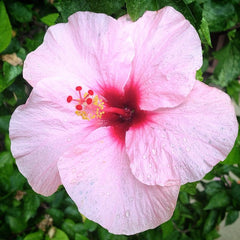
{"x":214,"y":187}
{"x":81,"y":229}
{"x":32,"y":44}
{"x":220,"y":15}
{"x":185,"y":237}
{"x":5,"y":28}
{"x":234,"y":156}
{"x":205,"y":31}
{"x":16,"y":224}
{"x":212,"y":235}
{"x":59,"y":235}
{"x":17,"y":181}
{"x":151,"y":235}
{"x":4,"y":123}
{"x":103,"y":234}
{"x":190,"y":188}
{"x":12,"y":47}
{"x":31,"y":204}
{"x":228,"y":68}
{"x":68,"y":227}
{"x":90,"y":225}
{"x":167,"y":228}
{"x":210,"y":221}
{"x":10,"y":71}
{"x":232,"y":217}
{"x":6,"y":170}
{"x":136,"y":8}
{"x":183,"y":197}
{"x":7,"y":143}
{"x":80,"y":237}
{"x":235,"y":191}
{"x":68,"y":7}
{"x":106,"y":6}
{"x":58,"y":199}
{"x":56,"y":214}
{"x":9,"y":74}
{"x":174,"y":235}
{"x":50,"y":19}
{"x":233,"y":89}
{"x":189,"y":1}
{"x":20,"y":12}
{"x":34,"y":236}
{"x":73,"y":213}
{"x":219,"y":200}
{"x":199,"y":75}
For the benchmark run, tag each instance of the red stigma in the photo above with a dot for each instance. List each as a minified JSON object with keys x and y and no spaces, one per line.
{"x":90,"y":92}
{"x":78,"y":88}
{"x":69,"y":99}
{"x":87,"y":105}
{"x":79,"y":107}
{"x":89,"y":101}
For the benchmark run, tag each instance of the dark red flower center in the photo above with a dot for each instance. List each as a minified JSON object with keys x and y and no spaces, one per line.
{"x":118,"y":109}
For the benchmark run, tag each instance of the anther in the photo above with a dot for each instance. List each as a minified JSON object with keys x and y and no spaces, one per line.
{"x":87,"y":105}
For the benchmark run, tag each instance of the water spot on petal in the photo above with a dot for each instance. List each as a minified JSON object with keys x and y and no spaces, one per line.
{"x":154,"y":151}
{"x":127,"y":213}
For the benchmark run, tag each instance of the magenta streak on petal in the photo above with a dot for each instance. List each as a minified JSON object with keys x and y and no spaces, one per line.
{"x":122,"y":111}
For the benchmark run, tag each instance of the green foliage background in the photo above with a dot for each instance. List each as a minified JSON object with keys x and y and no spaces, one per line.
{"x":25,"y":215}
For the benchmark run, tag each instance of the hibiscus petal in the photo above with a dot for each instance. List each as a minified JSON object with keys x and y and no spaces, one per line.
{"x":90,"y":46}
{"x":97,"y":177}
{"x":185,"y":142}
{"x":168,"y":53}
{"x":41,"y":131}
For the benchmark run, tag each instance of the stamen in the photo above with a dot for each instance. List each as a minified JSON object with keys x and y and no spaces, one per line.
{"x":91,"y":107}
{"x":88,"y":106}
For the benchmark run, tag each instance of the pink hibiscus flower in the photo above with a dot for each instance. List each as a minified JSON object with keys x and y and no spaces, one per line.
{"x":117,"y":117}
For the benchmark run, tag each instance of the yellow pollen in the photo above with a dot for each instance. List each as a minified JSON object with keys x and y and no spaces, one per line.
{"x":93,"y":110}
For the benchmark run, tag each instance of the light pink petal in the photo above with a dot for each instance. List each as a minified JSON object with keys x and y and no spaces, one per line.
{"x":41,"y":131}
{"x":91,"y":47}
{"x":185,"y":142}
{"x":168,"y":53}
{"x":97,"y":177}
